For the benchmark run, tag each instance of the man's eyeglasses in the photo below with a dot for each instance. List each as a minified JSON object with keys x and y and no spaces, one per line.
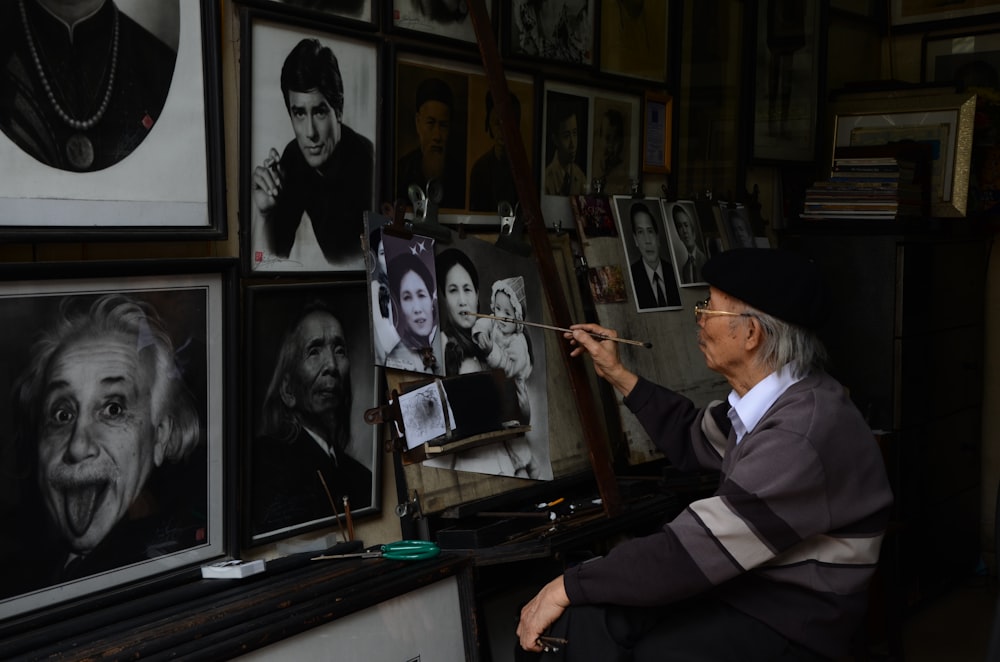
{"x":701,"y":308}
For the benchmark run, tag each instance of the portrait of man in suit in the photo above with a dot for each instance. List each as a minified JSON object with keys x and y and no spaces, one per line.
{"x":653,"y":280}
{"x":686,"y":242}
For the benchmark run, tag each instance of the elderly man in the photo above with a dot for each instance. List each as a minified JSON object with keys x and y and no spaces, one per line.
{"x":433,"y":159}
{"x":104,"y":406}
{"x":81,"y":83}
{"x":775,"y":564}
{"x":313,"y":198}
{"x":305,"y":426}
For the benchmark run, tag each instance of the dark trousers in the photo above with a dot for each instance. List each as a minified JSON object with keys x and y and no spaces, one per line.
{"x":697,"y":630}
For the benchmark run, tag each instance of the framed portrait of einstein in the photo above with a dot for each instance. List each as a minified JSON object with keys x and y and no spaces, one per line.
{"x":117,"y":440}
{"x":308,"y":453}
{"x":113,"y":130}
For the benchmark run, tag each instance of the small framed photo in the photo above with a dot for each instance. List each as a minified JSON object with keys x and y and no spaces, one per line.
{"x":944,"y":121}
{"x":917,"y":13}
{"x":138,"y":155}
{"x":448,"y":19}
{"x":788,"y":68}
{"x":688,"y":247}
{"x":734,"y":225}
{"x":591,"y":141}
{"x":560,"y":31}
{"x":653,"y":277}
{"x":449,"y":148}
{"x":119,"y":450}
{"x":308,"y":145}
{"x":972,"y":59}
{"x":633,"y":39}
{"x":657,"y":133}
{"x":310,"y":378}
{"x":357,"y":13}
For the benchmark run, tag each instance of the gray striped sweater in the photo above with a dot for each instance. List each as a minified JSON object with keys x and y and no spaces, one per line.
{"x":792,"y":534}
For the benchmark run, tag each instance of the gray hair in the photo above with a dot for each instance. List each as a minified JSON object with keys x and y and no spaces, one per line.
{"x":785,"y":343}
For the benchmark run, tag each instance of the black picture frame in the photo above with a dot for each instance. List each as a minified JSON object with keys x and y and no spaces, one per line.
{"x":953,"y":57}
{"x":434,"y":20}
{"x":180,"y":512}
{"x":274,"y":313}
{"x":566,"y":41}
{"x":471,"y":136}
{"x":290,"y":246}
{"x":362,"y":14}
{"x":911,"y":15}
{"x":788,"y":65}
{"x":170,"y":186}
{"x":589,"y":105}
{"x":626,"y":210}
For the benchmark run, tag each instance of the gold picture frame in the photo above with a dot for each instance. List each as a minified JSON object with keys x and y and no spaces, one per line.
{"x":945,"y":121}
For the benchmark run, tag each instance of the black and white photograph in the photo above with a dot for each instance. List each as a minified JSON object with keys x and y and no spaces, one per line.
{"x":687,"y":243}
{"x":736,"y":229}
{"x":113,"y":129}
{"x":410,"y":273}
{"x":485,"y":294}
{"x":308,"y":152}
{"x":115,"y":410}
{"x":591,"y":137}
{"x":553,"y":30}
{"x":641,"y":227}
{"x":311,"y":378}
{"x":440,"y":18}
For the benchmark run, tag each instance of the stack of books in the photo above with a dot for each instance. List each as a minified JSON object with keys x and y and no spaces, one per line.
{"x":872,"y":182}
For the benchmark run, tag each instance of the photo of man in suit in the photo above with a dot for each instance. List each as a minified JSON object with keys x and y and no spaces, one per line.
{"x":689,"y":249}
{"x":653,"y":280}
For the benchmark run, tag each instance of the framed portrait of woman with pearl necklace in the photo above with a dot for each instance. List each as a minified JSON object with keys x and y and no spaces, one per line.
{"x":110,"y":120}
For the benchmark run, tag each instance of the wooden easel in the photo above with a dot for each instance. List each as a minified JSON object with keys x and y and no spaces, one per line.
{"x":527,"y":192}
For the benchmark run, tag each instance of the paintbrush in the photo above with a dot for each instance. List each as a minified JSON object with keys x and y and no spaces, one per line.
{"x":600,"y":336}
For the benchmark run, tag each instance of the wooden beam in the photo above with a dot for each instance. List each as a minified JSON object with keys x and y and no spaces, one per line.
{"x":530,"y":202}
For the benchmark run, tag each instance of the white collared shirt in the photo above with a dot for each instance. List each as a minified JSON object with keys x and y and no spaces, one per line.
{"x":745,"y":412}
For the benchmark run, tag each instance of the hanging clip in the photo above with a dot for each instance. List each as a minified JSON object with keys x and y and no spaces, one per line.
{"x":511,"y":232}
{"x":425,"y":211}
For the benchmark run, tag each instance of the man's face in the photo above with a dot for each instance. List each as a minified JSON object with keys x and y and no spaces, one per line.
{"x":319,"y":384}
{"x":316,"y":126}
{"x":613,"y":143}
{"x":566,"y":140}
{"x":646,"y":239}
{"x":685,"y":228}
{"x":96,"y":442}
{"x":720,"y":336}
{"x":433,"y":122}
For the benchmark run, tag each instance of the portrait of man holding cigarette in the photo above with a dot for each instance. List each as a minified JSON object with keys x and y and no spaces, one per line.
{"x":311,"y":198}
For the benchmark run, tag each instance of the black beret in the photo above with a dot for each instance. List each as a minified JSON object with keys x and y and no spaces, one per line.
{"x":434,"y":89}
{"x":778,"y":282}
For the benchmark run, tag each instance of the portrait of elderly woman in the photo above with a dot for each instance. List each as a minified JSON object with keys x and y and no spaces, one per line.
{"x":107,"y":428}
